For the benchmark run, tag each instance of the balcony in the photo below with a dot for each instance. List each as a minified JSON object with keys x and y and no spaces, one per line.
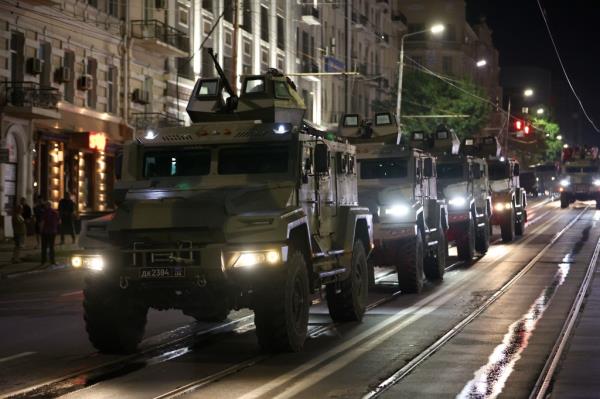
{"x":155,"y":36}
{"x":154,"y":120}
{"x":383,"y":39}
{"x":359,"y":21}
{"x":310,"y":15}
{"x":28,"y":100}
{"x":399,"y":17}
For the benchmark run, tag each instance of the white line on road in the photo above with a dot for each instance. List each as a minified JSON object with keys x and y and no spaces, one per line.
{"x":72,"y":293}
{"x":17,"y":356}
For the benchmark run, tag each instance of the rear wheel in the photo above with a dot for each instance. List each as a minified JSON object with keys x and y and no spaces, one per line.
{"x":347,"y":300}
{"x":564,"y":201}
{"x":435,"y":264}
{"x":410,"y":270}
{"x":281,"y":308}
{"x":520,"y":225}
{"x":482,"y":242}
{"x":465,"y":245}
{"x":114,"y":321}
{"x":507,"y":227}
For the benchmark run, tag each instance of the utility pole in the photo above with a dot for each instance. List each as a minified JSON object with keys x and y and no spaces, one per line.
{"x":234,"y":58}
{"x":507,"y":130}
{"x":348,"y":16}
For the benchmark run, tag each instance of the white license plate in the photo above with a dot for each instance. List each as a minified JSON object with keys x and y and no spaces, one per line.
{"x":162,"y":272}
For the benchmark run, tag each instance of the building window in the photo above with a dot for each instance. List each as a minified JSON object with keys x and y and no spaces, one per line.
{"x":113,"y":8}
{"x":149,"y":88}
{"x":280,"y":64}
{"x":264,"y":56}
{"x":93,"y":3}
{"x":46,"y":57}
{"x":280,"y":33}
{"x":412,"y":28}
{"x":69,"y":62}
{"x":228,"y":38}
{"x":207,"y":5}
{"x":112,"y":83}
{"x":92,"y":70}
{"x":207,"y":27}
{"x":450,"y":33}
{"x":447,"y":65}
{"x":228,"y":11}
{"x":17,"y":56}
{"x":247,"y":16}
{"x":264,"y":24}
{"x":183,"y":16}
{"x":247,"y":47}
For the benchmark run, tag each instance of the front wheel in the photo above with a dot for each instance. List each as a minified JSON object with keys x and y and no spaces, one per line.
{"x":347,"y":300}
{"x":411,"y":275}
{"x":564,"y":201}
{"x":507,"y":227}
{"x":435,"y":265}
{"x":281,"y":308}
{"x":465,"y":245}
{"x":114,"y":321}
{"x":520,"y":224}
{"x":482,"y":242}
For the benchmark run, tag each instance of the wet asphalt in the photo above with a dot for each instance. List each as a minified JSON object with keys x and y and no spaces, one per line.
{"x":500,"y":352}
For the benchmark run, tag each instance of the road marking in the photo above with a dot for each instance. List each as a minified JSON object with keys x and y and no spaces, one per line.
{"x":72,"y":293}
{"x":17,"y":356}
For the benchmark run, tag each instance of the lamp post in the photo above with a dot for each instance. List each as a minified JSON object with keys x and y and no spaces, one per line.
{"x":435,"y":29}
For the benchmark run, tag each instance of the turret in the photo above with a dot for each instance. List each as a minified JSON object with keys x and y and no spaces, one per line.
{"x":445,"y":141}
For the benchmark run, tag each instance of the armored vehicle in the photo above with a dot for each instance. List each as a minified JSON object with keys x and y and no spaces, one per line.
{"x":508,"y":198}
{"x":580,"y":176}
{"x":249,"y":207}
{"x":398,"y":184}
{"x":547,"y":173}
{"x":462,"y":180}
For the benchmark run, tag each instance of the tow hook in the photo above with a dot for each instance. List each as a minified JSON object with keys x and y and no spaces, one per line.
{"x":123,"y":282}
{"x":201,"y":281}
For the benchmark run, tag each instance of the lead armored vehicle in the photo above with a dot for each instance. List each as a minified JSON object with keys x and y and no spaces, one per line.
{"x":462,"y":180}
{"x":249,"y":207}
{"x":398,"y":184}
{"x":580,"y":176}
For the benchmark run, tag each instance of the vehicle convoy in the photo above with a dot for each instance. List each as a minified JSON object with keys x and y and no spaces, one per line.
{"x":398,"y":184}
{"x":509,"y":199}
{"x":249,"y":207}
{"x":547,"y":173}
{"x":580,"y":177}
{"x":462,"y":180}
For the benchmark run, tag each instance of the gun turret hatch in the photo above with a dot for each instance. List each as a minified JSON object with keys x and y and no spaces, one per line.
{"x":489,"y":147}
{"x":445,"y":141}
{"x":382,"y":128}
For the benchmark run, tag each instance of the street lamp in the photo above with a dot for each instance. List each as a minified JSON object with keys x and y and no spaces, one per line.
{"x":559,"y":137}
{"x":435,"y":29}
{"x":481,"y":63}
{"x":540,"y":111}
{"x":528,"y":92}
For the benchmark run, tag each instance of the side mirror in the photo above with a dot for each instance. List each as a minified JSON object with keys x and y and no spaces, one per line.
{"x":516,"y":170}
{"x":321,"y":159}
{"x":428,"y":167}
{"x":475,"y":171}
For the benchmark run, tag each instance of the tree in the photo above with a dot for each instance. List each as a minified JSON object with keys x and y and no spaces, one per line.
{"x":548,"y":131}
{"x":424,"y":94}
{"x":543,"y":146}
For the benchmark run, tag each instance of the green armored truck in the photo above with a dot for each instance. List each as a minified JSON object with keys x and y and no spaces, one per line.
{"x":580,"y":176}
{"x":398,"y":183}
{"x":462,"y":180}
{"x":249,"y":207}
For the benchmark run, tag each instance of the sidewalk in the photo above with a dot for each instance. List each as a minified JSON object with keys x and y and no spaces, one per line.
{"x":578,"y":373}
{"x":31,"y":258}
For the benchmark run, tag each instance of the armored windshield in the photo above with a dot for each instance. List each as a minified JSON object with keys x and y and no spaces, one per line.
{"x":499,"y":170}
{"x":172,"y":163}
{"x":385,"y":168}
{"x":580,"y":169}
{"x":253,"y":160}
{"x":449,"y":170}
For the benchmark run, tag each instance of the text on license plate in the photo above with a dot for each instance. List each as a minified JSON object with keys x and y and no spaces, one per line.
{"x":162,"y":272}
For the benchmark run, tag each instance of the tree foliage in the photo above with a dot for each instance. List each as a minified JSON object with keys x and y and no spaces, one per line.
{"x":547,"y":132}
{"x":424,"y":94}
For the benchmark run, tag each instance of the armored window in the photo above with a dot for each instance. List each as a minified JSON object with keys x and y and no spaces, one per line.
{"x":383,"y":119}
{"x":499,"y":170}
{"x":385,"y":168}
{"x":208,"y":88}
{"x":449,"y":170}
{"x":351,"y":121}
{"x":281,"y":90}
{"x":254,"y":85}
{"x":590,"y":169}
{"x":169,"y":163}
{"x":253,"y":160}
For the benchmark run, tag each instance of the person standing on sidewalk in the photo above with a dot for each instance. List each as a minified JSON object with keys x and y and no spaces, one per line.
{"x":49,"y":229}
{"x":19,"y":232}
{"x":28,"y":217}
{"x":38,"y":213}
{"x":66,"y":210}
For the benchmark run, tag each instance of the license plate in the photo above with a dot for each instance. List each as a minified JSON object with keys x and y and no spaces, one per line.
{"x":162,"y":272}
{"x":582,"y":188}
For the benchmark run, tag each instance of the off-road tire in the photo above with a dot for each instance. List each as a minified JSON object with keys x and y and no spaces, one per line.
{"x":114,"y":321}
{"x":281,"y":308}
{"x":482,"y":241}
{"x":465,"y":245}
{"x":507,"y":227}
{"x":411,"y":275}
{"x":435,"y":265}
{"x":520,"y":225}
{"x":347,"y":300}
{"x":564,"y":201}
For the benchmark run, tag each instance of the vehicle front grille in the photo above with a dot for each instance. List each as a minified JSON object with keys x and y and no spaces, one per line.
{"x":161,"y":254}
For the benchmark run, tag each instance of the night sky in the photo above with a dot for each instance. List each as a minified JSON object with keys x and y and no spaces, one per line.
{"x":521,"y":37}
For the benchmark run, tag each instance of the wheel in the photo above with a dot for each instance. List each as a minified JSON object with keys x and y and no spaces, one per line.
{"x":435,"y":266}
{"x":347,"y":300}
{"x":410,"y":269}
{"x":564,"y":201}
{"x":114,"y":322}
{"x":520,"y":225}
{"x":482,"y":241}
{"x":465,"y":246}
{"x":281,"y":308}
{"x":507,"y":227}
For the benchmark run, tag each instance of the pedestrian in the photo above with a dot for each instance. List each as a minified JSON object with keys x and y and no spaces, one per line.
{"x":19,"y":232}
{"x":28,"y":217}
{"x":38,"y":212}
{"x":66,"y":211}
{"x":49,"y":230}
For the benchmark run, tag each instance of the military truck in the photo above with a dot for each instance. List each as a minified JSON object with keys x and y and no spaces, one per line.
{"x":249,"y":207}
{"x":462,"y":180}
{"x":398,"y":184}
{"x":580,"y":176}
{"x":547,"y":173}
{"x":508,"y":198}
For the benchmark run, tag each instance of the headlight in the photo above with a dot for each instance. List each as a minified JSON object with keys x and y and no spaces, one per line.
{"x":251,"y":259}
{"x":501,"y":206}
{"x":596,"y":182}
{"x":565,"y":182}
{"x":457,"y":201}
{"x":92,"y":262}
{"x":396,"y":210}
